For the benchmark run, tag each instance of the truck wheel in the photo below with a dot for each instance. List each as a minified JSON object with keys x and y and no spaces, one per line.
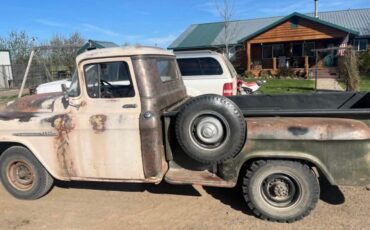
{"x":22,"y":175}
{"x":283,"y":191}
{"x":210,"y":128}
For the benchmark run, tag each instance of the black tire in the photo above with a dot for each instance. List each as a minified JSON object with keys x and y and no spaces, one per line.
{"x":22,"y":174}
{"x":283,"y":191}
{"x":210,"y":128}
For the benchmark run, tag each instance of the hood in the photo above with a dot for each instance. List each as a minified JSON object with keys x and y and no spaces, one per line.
{"x":34,"y":103}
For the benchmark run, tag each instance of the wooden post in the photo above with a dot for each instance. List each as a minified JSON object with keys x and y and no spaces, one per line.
{"x":306,"y":65}
{"x":274,"y":64}
{"x":317,"y":59}
{"x":248,"y":56}
{"x":26,"y":74}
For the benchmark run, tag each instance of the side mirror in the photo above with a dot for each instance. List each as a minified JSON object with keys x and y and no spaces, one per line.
{"x":65,"y":92}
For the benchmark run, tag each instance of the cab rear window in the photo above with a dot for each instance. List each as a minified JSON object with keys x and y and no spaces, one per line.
{"x":199,"y":66}
{"x":166,"y":69}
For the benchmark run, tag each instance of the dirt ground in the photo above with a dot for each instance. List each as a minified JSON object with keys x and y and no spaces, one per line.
{"x":80,"y":205}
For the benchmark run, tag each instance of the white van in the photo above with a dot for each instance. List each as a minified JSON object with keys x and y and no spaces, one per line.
{"x":206,"y":71}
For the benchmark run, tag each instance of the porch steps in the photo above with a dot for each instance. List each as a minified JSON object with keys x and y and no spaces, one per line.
{"x":325,"y":72}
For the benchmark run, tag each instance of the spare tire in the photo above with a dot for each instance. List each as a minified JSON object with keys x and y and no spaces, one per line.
{"x":210,"y":128}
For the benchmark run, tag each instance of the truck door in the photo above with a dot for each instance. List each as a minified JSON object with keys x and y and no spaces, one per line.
{"x":106,"y":142}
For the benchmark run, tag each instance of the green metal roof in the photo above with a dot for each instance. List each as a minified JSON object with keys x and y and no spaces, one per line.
{"x":296,"y":14}
{"x":356,"y":21}
{"x":96,"y":44}
{"x":203,"y":34}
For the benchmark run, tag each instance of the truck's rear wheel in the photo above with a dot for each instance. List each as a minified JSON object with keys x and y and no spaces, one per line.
{"x":22,"y":175}
{"x":283,"y":191}
{"x":210,"y":129}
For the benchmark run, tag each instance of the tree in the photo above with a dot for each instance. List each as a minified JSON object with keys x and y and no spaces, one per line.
{"x":348,"y":69}
{"x":19,"y":44}
{"x":63,"y":50}
{"x":225,"y":10}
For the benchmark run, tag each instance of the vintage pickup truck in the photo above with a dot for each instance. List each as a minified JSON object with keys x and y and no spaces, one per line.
{"x":127,"y":118}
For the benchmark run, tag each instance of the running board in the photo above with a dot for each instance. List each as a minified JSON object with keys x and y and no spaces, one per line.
{"x":179,"y":175}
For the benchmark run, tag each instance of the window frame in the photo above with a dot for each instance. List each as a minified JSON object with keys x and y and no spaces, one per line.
{"x":104,"y":61}
{"x":358,"y":46}
{"x":175,"y":66}
{"x":272,"y":50}
{"x":201,"y":70}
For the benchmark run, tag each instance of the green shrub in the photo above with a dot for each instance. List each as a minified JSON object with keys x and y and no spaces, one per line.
{"x":364,"y":62}
{"x":348,"y":69}
{"x":248,"y":74}
{"x":285,"y":72}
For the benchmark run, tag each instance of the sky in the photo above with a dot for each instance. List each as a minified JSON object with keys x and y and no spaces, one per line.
{"x":145,"y":22}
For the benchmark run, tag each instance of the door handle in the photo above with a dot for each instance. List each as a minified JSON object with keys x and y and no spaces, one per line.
{"x":129,"y":106}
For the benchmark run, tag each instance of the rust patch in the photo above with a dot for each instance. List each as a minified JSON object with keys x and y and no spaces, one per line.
{"x":83,"y":103}
{"x":298,"y":131}
{"x":98,"y":122}
{"x":63,"y":124}
{"x":33,"y":103}
{"x":285,"y":128}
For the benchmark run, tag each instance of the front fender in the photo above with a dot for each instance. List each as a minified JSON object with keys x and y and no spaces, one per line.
{"x":38,"y":150}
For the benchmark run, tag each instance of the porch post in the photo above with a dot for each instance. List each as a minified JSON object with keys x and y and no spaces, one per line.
{"x":248,"y":56}
{"x":306,"y":65}
{"x":274,"y":64}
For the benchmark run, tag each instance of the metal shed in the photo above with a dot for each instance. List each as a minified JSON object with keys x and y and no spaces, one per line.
{"x":6,"y":73}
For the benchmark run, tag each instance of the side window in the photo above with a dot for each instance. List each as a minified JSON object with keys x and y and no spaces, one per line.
{"x":108,"y":80}
{"x":210,"y":66}
{"x":199,"y":66}
{"x":189,"y":66}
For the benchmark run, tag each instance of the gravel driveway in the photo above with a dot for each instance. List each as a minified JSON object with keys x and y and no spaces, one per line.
{"x":141,"y":206}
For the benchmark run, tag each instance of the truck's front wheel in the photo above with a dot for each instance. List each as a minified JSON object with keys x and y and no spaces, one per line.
{"x":283,"y":191}
{"x":22,"y":175}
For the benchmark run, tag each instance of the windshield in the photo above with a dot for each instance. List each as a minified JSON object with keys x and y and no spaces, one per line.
{"x":74,"y":88}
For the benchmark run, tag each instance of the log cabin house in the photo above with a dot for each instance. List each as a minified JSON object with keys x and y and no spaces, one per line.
{"x":276,"y":42}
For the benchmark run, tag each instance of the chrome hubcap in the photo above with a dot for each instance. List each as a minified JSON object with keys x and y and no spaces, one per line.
{"x":209,"y":130}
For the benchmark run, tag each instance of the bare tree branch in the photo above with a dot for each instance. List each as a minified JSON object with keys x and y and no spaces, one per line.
{"x":226,"y":10}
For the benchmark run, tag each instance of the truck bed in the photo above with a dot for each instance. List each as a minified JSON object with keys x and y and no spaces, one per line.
{"x":328,"y":104}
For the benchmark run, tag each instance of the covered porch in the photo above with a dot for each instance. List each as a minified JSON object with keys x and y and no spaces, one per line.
{"x":289,"y":43}
{"x":297,"y":55}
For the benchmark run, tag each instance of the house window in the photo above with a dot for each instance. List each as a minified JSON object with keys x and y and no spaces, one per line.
{"x":361,"y":44}
{"x":297,"y":50}
{"x":267,"y":51}
{"x":303,"y":49}
{"x":270,"y":51}
{"x":307,"y":49}
{"x":278,"y":50}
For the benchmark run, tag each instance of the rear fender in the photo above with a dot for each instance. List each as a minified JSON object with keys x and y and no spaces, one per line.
{"x":230,"y":170}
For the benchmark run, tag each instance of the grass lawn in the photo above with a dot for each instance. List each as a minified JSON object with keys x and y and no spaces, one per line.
{"x":282,"y":86}
{"x":364,"y":83}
